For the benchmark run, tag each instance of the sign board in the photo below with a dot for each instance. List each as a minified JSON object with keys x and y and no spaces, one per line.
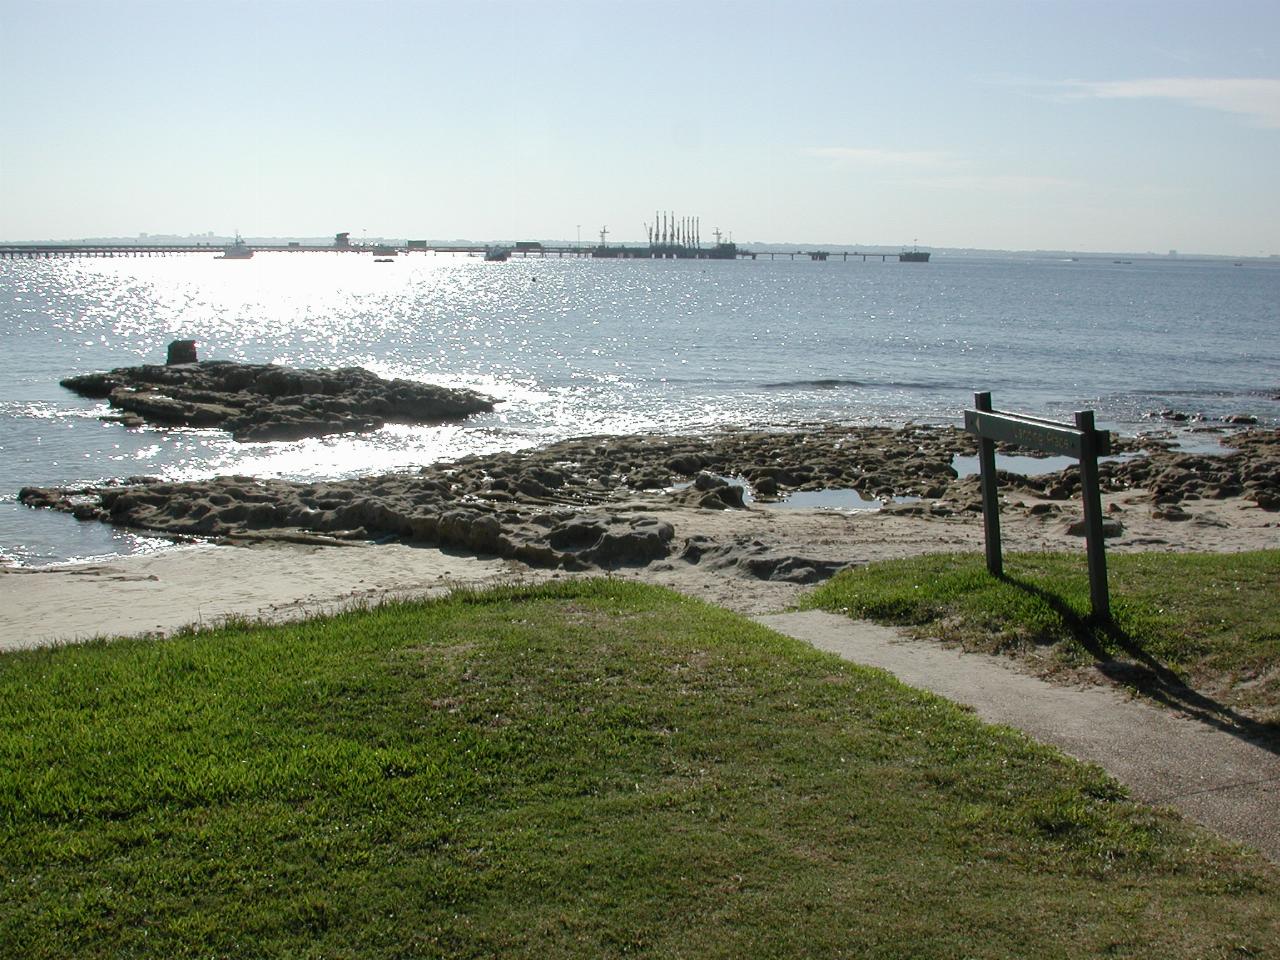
{"x":1034,"y":433}
{"x":1081,"y":441}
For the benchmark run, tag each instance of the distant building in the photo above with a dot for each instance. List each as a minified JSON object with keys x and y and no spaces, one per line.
{"x":342,"y":239}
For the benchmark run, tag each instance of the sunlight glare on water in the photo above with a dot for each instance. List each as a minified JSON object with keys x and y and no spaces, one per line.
{"x":578,"y":346}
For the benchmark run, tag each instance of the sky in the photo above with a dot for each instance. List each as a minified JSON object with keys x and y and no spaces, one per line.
{"x":1123,"y":125}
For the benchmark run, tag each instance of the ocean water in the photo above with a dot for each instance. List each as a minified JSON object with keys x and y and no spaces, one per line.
{"x":573,"y":347}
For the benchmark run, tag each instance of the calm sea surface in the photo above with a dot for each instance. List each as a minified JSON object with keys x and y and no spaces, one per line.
{"x":573,"y":347}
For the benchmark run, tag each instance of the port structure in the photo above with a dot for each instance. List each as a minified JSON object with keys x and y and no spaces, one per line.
{"x":669,"y":238}
{"x":524,"y":249}
{"x":677,"y":237}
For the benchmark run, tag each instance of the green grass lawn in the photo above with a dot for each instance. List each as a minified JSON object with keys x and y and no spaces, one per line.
{"x":1200,"y":631}
{"x":589,"y":770}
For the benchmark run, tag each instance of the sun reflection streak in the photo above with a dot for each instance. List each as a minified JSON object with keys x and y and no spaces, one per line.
{"x":577,"y":347}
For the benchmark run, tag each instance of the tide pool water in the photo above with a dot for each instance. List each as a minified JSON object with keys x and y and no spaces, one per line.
{"x":573,"y":347}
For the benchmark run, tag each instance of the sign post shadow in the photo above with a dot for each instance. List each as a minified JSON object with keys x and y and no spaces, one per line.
{"x":1081,"y":440}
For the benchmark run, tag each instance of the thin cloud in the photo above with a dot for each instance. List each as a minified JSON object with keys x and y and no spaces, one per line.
{"x":875,"y":155}
{"x":1258,"y":99}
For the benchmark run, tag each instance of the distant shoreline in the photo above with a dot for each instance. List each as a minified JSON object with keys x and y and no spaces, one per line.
{"x":214,"y":242}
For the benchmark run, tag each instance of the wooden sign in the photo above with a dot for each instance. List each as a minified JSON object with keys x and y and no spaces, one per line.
{"x":1081,"y":440}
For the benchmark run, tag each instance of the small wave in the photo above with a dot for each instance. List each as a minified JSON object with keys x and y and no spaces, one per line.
{"x":826,"y":384}
{"x":1205,"y":392}
{"x":835,"y":383}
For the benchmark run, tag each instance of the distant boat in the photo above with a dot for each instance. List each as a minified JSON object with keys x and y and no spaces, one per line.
{"x":496,"y":254}
{"x":237,"y":250}
{"x":914,"y":255}
{"x":384,"y":259}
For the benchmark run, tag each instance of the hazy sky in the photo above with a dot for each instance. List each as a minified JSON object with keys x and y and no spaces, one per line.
{"x":1063,"y":125}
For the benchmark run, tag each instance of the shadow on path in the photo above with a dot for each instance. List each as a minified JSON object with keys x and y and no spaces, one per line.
{"x":1146,"y":675}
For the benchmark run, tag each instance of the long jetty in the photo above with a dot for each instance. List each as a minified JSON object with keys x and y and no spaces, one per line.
{"x":50,"y":250}
{"x":53,"y":250}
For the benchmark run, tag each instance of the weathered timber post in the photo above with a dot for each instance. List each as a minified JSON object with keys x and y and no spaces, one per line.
{"x":1082,"y":441}
{"x":1089,"y":488}
{"x":990,"y":497}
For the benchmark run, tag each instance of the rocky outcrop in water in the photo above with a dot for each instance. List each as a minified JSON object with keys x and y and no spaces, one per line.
{"x":258,"y":402}
{"x":555,"y":506}
{"x":420,"y":508}
{"x":582,"y":503}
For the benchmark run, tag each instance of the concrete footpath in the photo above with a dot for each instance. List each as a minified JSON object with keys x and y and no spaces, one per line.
{"x":1211,"y":776}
